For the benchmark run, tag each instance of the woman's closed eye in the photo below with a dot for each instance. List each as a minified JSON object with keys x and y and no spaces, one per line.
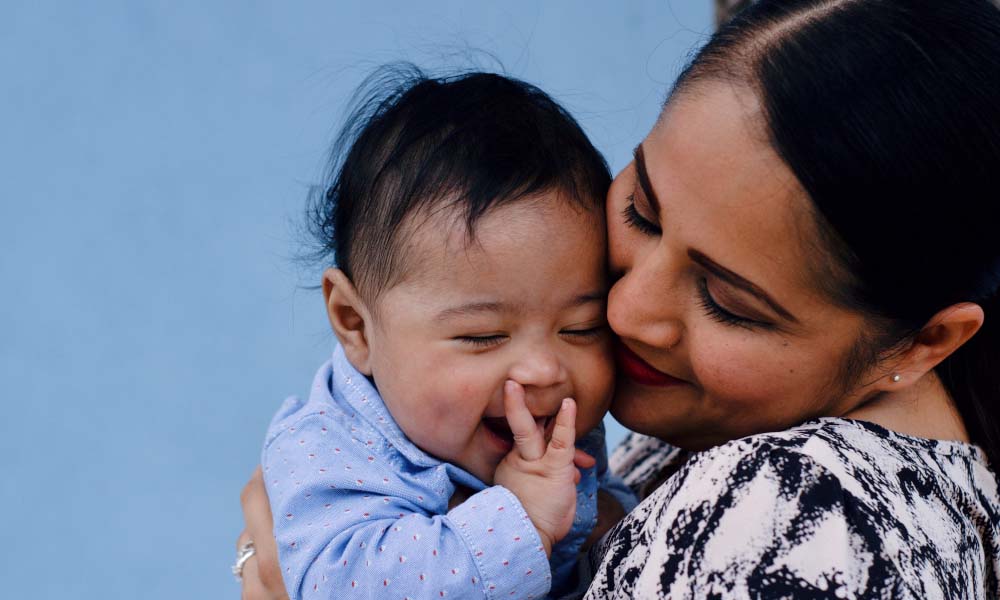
{"x":635,"y":219}
{"x":720,"y":314}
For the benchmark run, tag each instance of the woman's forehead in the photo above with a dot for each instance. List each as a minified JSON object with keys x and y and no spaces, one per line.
{"x":726,"y":193}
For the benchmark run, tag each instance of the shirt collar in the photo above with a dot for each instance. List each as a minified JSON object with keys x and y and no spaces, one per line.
{"x":345,"y":385}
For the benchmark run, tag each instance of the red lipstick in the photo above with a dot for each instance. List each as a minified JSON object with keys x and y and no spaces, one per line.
{"x":640,"y":371}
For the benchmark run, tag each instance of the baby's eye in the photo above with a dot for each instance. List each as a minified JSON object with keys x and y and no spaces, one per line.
{"x":482,"y":341}
{"x":585,"y":333}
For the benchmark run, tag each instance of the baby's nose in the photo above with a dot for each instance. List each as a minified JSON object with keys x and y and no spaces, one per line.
{"x":544,"y":404}
{"x":539,"y":369}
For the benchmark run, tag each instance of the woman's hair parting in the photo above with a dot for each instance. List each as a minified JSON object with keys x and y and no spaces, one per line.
{"x":888,"y":113}
{"x":415,"y":145}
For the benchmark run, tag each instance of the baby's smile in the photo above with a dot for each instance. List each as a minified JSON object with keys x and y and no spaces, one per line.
{"x":500,"y":431}
{"x":500,"y":428}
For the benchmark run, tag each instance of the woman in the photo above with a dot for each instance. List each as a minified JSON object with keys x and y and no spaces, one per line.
{"x":807,"y":301}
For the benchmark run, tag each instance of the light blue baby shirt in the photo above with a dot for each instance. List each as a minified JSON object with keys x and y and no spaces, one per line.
{"x":361,"y":512}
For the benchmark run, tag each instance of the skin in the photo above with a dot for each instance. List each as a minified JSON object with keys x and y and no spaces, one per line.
{"x":723,"y":193}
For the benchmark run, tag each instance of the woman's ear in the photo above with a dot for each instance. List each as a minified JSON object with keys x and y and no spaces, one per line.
{"x":350,"y":319}
{"x":943,"y":334}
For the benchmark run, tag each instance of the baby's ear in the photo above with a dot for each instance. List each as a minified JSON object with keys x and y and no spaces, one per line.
{"x":349,"y":318}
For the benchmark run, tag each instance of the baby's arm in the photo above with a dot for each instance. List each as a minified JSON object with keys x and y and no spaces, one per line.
{"x":348,"y":524}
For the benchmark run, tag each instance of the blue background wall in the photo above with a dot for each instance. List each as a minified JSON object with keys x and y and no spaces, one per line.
{"x":154,"y":160}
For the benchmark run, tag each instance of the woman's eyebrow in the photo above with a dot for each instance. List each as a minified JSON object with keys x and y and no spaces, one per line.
{"x":739,"y":281}
{"x":647,"y":187}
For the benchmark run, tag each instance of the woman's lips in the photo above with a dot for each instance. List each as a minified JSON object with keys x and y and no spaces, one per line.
{"x":639,"y":370}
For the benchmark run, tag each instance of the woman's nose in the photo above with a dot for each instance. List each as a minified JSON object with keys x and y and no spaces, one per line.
{"x":643,"y":305}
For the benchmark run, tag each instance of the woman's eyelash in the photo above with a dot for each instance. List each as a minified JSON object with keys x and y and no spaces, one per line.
{"x":711,"y":307}
{"x":634,"y":219}
{"x":720,"y":314}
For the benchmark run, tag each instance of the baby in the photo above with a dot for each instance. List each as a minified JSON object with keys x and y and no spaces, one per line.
{"x":435,"y":456}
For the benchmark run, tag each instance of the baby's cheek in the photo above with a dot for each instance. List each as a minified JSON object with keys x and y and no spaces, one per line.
{"x":465,"y":391}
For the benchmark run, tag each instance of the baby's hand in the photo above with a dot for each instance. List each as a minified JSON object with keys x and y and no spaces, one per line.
{"x":542,"y":477}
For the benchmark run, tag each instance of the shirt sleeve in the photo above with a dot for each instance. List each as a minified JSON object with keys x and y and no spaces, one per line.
{"x":747,"y":522}
{"x":346,"y":522}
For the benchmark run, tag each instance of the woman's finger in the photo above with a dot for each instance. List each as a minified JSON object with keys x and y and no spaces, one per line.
{"x":259,"y":527}
{"x":561,"y":448}
{"x":253,"y":589}
{"x":529,"y":440}
{"x":242,"y":539}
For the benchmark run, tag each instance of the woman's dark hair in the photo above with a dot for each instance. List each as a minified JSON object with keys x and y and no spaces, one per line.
{"x":413,"y":143}
{"x":888,"y":113}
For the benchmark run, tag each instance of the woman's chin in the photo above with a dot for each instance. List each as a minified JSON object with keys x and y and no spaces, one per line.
{"x":647,"y":410}
{"x":667,"y":416}
{"x":639,"y":410}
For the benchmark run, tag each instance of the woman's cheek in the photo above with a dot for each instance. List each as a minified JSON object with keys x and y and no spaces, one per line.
{"x":737,"y":371}
{"x":601,"y":392}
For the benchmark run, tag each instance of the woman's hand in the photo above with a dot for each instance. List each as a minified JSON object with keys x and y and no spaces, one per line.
{"x":261,"y":573}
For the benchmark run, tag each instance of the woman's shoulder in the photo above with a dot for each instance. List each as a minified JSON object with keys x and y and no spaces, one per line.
{"x":860,"y":467}
{"x":839,"y":446}
{"x":817,"y":504}
{"x":869,"y":462}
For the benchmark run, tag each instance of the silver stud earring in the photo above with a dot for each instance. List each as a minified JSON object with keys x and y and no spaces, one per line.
{"x":896,"y":377}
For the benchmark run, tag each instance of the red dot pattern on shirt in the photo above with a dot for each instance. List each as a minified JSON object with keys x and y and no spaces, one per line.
{"x":386,"y":582}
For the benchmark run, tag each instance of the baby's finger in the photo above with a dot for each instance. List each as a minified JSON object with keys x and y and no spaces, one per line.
{"x":583,"y":460}
{"x":528,"y":437}
{"x":561,"y":450}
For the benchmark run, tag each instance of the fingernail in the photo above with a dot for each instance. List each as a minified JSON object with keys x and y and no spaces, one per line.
{"x":566,"y":402}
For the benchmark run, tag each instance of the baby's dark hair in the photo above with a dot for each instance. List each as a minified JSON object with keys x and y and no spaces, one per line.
{"x":414,"y":143}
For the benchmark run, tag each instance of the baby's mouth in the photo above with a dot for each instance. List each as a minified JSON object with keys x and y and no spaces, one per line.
{"x":501,"y":428}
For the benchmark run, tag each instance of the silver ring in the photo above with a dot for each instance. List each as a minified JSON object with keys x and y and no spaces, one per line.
{"x":242,"y":556}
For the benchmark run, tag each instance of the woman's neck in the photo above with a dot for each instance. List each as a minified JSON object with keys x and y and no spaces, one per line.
{"x":922,"y":410}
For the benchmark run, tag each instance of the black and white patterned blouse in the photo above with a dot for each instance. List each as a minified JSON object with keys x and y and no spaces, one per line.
{"x":833,"y":508}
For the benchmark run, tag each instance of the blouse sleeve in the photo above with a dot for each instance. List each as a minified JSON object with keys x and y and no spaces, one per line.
{"x":747,"y":521}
